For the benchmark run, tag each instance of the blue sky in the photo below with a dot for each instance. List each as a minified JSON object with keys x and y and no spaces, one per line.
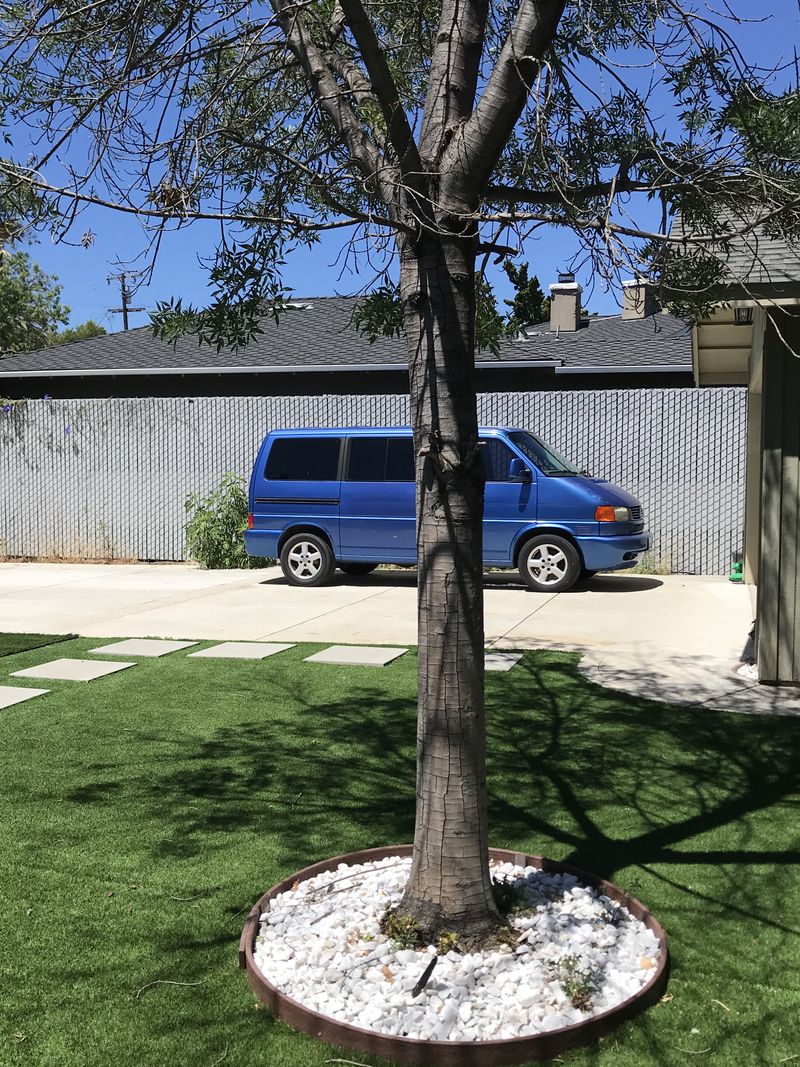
{"x":179,"y":272}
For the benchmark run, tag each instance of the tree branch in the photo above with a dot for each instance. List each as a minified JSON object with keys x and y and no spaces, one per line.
{"x":383,"y":85}
{"x":598,"y":225}
{"x":290,"y":222}
{"x":327,"y":92}
{"x":453,"y":77}
{"x":519,"y":195}
{"x":474,"y":153}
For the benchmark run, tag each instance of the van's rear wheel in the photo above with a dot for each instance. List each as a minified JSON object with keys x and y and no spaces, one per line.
{"x":549,"y":564}
{"x":357,"y":568}
{"x":307,"y":560}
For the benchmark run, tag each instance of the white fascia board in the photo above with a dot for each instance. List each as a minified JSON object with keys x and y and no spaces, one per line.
{"x":114,"y":372}
{"x":526,"y":364}
{"x":651,"y":368}
{"x":109,"y":372}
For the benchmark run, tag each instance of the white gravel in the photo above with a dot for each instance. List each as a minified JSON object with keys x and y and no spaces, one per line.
{"x":320,"y":943}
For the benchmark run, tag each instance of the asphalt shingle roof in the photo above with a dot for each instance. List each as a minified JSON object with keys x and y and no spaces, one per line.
{"x":750,"y":255}
{"x":611,"y":341}
{"x":759,"y":259}
{"x":319,"y":333}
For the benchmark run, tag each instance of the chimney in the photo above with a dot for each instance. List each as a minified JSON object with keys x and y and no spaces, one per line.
{"x":638,"y":300}
{"x":565,"y":304}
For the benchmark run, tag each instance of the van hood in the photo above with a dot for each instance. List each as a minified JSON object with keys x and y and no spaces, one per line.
{"x":602,"y":491}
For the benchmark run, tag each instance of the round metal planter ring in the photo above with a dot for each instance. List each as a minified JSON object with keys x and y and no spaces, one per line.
{"x":450,"y":1053}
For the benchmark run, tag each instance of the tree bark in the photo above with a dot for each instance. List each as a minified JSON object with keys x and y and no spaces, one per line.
{"x":450,"y":886}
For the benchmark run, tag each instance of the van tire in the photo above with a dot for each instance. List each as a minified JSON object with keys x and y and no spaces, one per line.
{"x":357,"y":568}
{"x":307,"y":559}
{"x":549,"y":564}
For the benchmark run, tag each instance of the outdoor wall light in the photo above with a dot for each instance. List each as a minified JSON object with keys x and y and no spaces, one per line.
{"x":743,"y":316}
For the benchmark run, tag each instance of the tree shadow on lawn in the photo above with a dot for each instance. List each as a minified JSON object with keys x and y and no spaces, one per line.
{"x":606,"y":781}
{"x":594,"y":749}
{"x":694,"y":812}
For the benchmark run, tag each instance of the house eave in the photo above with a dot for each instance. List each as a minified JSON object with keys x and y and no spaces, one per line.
{"x":320,"y":368}
{"x":651,"y":368}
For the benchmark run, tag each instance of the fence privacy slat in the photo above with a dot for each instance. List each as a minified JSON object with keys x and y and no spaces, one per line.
{"x":107,"y":479}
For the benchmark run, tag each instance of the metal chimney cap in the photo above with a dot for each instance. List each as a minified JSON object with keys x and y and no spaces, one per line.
{"x":565,"y":277}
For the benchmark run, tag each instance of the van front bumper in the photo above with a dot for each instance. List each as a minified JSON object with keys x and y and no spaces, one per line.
{"x":614,"y":552}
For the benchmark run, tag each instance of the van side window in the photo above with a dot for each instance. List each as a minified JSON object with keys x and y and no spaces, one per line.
{"x":400,"y":460}
{"x":367,"y":459}
{"x":496,"y":458}
{"x":381,"y":459}
{"x":303,"y":459}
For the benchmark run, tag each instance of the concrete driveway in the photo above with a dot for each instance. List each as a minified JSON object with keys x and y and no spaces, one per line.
{"x":631,"y":613}
{"x":676,"y":637}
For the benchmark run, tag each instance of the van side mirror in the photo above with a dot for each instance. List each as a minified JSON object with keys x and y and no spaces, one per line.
{"x":518,"y":472}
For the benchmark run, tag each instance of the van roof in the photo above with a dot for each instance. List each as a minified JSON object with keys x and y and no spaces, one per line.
{"x":365,"y":431}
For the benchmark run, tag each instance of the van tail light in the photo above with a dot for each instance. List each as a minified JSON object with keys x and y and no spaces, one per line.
{"x":250,"y":521}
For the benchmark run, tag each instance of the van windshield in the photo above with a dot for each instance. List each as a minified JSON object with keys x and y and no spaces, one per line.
{"x":543,"y":456}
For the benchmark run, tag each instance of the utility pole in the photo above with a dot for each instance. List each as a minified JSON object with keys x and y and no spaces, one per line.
{"x":125,"y":295}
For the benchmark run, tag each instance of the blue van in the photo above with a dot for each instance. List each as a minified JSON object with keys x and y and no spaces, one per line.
{"x":321,"y":499}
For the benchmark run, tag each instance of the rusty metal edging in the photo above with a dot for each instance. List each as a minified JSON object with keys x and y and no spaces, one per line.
{"x":451,"y":1053}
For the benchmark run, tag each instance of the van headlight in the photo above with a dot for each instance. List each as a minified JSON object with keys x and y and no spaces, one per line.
{"x":609,"y":513}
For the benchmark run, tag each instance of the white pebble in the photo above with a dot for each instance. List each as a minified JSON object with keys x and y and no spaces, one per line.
{"x":310,"y":946}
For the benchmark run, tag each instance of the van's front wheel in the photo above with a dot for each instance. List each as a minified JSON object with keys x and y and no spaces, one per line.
{"x":549,"y":564}
{"x":307,"y":560}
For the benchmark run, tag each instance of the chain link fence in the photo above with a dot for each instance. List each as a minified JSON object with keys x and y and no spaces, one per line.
{"x":107,"y":479}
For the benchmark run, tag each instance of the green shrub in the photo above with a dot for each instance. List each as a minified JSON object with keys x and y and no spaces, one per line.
{"x":216,"y":525}
{"x":401,"y":929}
{"x":508,"y":896}
{"x":579,"y":984}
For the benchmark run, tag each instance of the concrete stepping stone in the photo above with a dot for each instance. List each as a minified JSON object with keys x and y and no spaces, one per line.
{"x":502,"y":661}
{"x":12,"y":694}
{"x":71,"y":670}
{"x":141,"y":646}
{"x":357,"y":655}
{"x":240,"y":650}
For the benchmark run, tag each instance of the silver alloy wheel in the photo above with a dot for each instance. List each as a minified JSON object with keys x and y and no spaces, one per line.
{"x":304,"y":560}
{"x":547,"y":564}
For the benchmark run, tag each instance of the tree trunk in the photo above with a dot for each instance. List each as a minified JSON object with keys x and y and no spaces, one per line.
{"x":450,"y":886}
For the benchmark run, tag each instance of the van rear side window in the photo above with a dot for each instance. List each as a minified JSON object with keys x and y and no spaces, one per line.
{"x":304,"y":459}
{"x":381,"y":459}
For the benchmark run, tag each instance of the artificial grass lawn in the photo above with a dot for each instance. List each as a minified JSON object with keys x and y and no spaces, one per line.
{"x":10,"y":644}
{"x":141,"y":816}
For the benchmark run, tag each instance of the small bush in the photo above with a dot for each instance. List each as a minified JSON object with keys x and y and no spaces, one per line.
{"x":401,"y":929}
{"x":508,"y":896}
{"x":216,"y":525}
{"x":578,"y":983}
{"x":447,"y":942}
